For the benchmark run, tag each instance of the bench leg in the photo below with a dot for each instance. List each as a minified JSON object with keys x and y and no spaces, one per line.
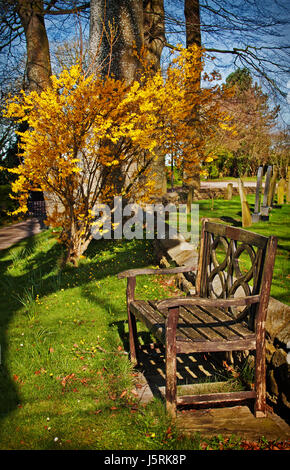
{"x":260,"y":380}
{"x":133,"y":342}
{"x":170,"y":393}
{"x":260,"y":385}
{"x":171,"y":388}
{"x":131,"y":283}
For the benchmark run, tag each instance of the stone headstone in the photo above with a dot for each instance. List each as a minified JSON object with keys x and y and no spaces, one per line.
{"x":189,"y":198}
{"x":229,"y":194}
{"x":288,"y":186}
{"x":242,"y":190}
{"x":272,"y":186}
{"x":246,"y":214}
{"x":265,"y":208}
{"x":281,"y":191}
{"x":256,"y":214}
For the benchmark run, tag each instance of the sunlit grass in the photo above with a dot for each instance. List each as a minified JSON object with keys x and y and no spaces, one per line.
{"x":65,"y":378}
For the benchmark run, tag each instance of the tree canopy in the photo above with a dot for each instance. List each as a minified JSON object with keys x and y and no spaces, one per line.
{"x":82,"y":132}
{"x":103,"y":127}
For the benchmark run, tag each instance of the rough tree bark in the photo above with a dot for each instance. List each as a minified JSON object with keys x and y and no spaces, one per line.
{"x":114,"y":27}
{"x":154,"y":40}
{"x":38,"y":68}
{"x":192,"y":22}
{"x":154,"y":30}
{"x":117,"y":27}
{"x":193,"y":37}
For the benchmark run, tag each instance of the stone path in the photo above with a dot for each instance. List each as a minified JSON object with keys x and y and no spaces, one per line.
{"x":14,"y":233}
{"x":236,"y":420}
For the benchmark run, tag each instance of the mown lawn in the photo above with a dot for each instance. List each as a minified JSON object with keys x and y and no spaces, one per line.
{"x":65,"y":378}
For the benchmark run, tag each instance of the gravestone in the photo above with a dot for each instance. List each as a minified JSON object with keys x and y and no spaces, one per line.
{"x":256,"y":214}
{"x":191,"y":179}
{"x":229,"y":191}
{"x":272,"y":186}
{"x":189,"y":198}
{"x":246,"y":214}
{"x":281,"y":191}
{"x":265,"y":208}
{"x":288,"y":186}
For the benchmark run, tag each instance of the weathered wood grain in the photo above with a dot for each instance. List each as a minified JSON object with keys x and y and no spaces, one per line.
{"x":142,"y":271}
{"x":196,"y":334}
{"x":184,"y":301}
{"x":170,"y":363}
{"x":235,"y":233}
{"x":260,"y":384}
{"x":206,"y":322}
{"x":215,"y":398}
{"x":130,"y":294}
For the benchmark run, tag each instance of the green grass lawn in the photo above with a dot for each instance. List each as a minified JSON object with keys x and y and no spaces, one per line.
{"x":65,"y":378}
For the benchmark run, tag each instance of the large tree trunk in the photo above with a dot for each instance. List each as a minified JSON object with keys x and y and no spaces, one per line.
{"x":38,"y":68}
{"x":154,"y":31}
{"x":192,"y":22}
{"x":115,"y":26}
{"x":193,"y":37}
{"x":154,"y":39}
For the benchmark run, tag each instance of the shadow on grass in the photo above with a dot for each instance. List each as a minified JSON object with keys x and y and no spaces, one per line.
{"x":8,"y":390}
{"x":39,"y":268}
{"x":231,"y":221}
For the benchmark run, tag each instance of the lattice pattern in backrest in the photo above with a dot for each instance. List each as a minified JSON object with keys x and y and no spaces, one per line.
{"x":232,"y":264}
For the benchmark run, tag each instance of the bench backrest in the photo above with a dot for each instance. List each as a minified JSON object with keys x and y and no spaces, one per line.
{"x":231,"y":264}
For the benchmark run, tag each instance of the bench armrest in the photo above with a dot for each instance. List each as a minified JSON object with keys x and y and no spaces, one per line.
{"x":138,"y":272}
{"x":183,"y":301}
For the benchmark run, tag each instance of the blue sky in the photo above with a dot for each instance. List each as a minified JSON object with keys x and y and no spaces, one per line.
{"x":221,"y":24}
{"x":263,"y":24}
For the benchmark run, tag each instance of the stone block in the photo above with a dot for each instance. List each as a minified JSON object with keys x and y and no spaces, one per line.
{"x":229,"y":192}
{"x":256,"y":217}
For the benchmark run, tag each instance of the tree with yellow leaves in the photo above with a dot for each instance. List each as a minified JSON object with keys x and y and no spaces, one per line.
{"x":91,"y":138}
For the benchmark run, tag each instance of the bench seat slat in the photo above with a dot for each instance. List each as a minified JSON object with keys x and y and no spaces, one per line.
{"x":153,"y":319}
{"x":205,"y":324}
{"x":215,"y":398}
{"x":221,"y":323}
{"x":198,"y":330}
{"x":188,"y":331}
{"x":240,"y":329}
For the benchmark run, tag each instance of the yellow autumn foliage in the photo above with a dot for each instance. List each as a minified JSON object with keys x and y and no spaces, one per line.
{"x":91,"y":138}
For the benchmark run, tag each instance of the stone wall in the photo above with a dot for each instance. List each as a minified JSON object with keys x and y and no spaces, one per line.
{"x":278,"y":363}
{"x":180,"y":194}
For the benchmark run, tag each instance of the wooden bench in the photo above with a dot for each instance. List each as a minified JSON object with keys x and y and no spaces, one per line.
{"x":228,"y":312}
